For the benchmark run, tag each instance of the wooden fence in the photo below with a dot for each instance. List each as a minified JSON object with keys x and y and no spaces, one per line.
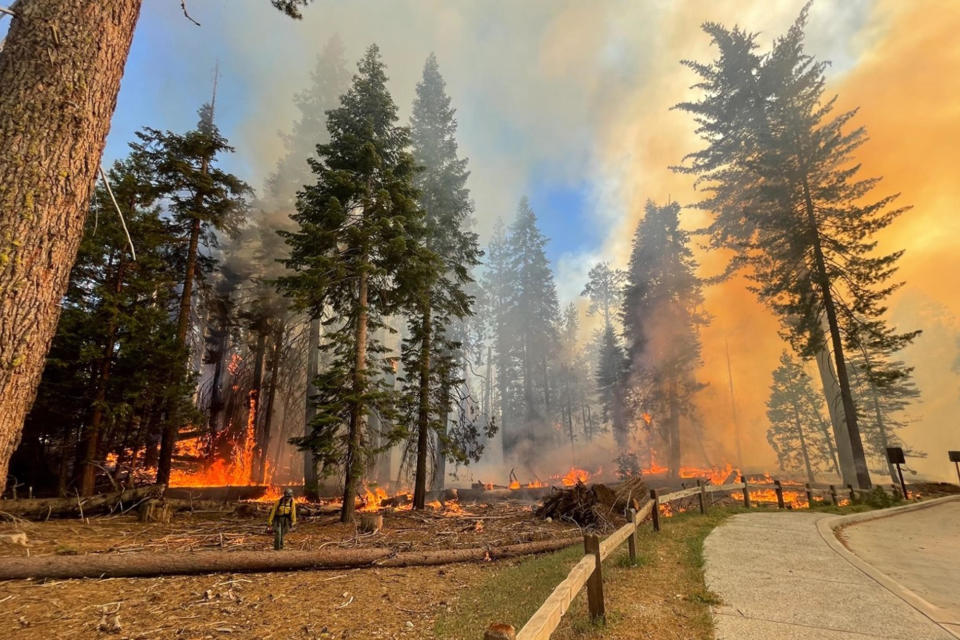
{"x":588,"y":571}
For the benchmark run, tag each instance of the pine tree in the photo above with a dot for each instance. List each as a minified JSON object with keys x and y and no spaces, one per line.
{"x":610,"y":381}
{"x":203,"y":200}
{"x":534,"y":318}
{"x":39,"y":138}
{"x":431,"y":353}
{"x":115,"y":337}
{"x":605,"y":292}
{"x":357,"y":226}
{"x":604,"y":289}
{"x":883,"y":389}
{"x":786,"y":198}
{"x":661,"y":318}
{"x":501,"y":299}
{"x":793,"y":434}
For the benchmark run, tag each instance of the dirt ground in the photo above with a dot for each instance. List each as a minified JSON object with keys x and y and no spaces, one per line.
{"x":359,"y":603}
{"x":495,"y":524}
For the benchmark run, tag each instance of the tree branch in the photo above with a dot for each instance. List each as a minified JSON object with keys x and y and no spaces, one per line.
{"x":183,"y":5}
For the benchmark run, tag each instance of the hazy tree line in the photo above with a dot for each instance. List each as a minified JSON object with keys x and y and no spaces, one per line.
{"x":348,"y":308}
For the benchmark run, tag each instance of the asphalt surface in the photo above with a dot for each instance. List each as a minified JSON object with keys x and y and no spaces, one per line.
{"x":778,"y":578}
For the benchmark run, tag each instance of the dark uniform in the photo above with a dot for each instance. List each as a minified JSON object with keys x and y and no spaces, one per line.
{"x":283,"y":517}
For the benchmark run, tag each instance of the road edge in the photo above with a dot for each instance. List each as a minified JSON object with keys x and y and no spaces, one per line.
{"x":828,"y":529}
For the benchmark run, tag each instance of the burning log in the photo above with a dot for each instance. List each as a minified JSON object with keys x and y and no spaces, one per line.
{"x":42,"y":508}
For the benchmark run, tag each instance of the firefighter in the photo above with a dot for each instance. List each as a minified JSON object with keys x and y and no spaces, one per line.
{"x":283,"y":517}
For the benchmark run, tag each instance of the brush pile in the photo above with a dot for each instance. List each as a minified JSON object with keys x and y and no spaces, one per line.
{"x":595,"y":507}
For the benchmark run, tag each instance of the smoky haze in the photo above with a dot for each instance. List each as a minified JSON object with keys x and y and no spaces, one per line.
{"x":580,"y":93}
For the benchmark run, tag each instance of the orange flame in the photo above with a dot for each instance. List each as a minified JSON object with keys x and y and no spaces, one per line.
{"x":514,"y":485}
{"x":574,"y":476}
{"x":372,"y":499}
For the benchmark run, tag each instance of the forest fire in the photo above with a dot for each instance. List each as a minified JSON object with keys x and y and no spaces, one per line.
{"x":372,"y":499}
{"x":574,"y":476}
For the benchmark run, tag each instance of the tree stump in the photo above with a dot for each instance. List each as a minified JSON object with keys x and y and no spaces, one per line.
{"x":498,"y":631}
{"x":371,"y":522}
{"x":154,"y":511}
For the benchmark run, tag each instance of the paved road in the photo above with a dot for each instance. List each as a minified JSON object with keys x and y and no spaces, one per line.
{"x":918,"y":549}
{"x":779,"y":580}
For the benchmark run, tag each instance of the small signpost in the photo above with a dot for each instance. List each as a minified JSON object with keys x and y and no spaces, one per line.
{"x":955,"y":459}
{"x":895,"y":457}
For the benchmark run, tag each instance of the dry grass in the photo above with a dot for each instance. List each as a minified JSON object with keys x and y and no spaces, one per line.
{"x":661,"y":597}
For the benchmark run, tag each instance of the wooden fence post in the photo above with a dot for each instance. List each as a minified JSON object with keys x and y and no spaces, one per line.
{"x":779,"y":490}
{"x":702,"y":496}
{"x":833,"y":494}
{"x":809,"y":495}
{"x":591,"y":545}
{"x":632,"y":540}
{"x":746,"y":492}
{"x":655,"y":512}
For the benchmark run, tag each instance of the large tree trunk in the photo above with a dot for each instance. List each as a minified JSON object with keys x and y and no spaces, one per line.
{"x":60,"y":73}
{"x":840,"y":441}
{"x":171,"y":428}
{"x":92,"y":432}
{"x":423,"y":411}
{"x":354,"y":462}
{"x":310,"y":479}
{"x":849,"y":410}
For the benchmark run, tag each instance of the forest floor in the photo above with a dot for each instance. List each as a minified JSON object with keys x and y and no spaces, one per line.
{"x":357,"y":603}
{"x":662,"y":597}
{"x":499,"y":523}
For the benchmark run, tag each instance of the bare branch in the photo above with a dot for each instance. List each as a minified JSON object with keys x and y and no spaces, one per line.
{"x":183,"y":5}
{"x":6,"y":11}
{"x":106,"y":182}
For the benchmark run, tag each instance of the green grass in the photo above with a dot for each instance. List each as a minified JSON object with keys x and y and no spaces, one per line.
{"x":666,"y":578}
{"x":510,"y":595}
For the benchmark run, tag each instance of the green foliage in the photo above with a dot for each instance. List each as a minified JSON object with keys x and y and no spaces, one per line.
{"x":119,"y":317}
{"x":432,"y":352}
{"x":359,"y":229}
{"x":798,"y":432}
{"x":662,"y":316}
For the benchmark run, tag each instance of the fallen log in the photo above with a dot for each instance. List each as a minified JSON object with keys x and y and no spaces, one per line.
{"x":476,"y":554}
{"x":42,"y":508}
{"x":144,"y":564}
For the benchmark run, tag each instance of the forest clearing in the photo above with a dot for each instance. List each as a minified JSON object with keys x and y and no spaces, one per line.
{"x":400,"y":319}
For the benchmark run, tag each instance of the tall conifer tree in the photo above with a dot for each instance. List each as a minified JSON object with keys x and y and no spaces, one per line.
{"x":786,"y":198}
{"x":359,"y":224}
{"x":431,"y":353}
{"x":661,"y":317}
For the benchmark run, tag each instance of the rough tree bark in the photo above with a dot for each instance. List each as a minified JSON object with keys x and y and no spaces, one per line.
{"x":60,"y":73}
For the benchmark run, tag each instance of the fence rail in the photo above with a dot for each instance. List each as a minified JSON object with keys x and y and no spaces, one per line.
{"x":588,"y":571}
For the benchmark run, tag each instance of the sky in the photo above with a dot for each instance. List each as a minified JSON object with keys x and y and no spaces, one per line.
{"x":568,"y":102}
